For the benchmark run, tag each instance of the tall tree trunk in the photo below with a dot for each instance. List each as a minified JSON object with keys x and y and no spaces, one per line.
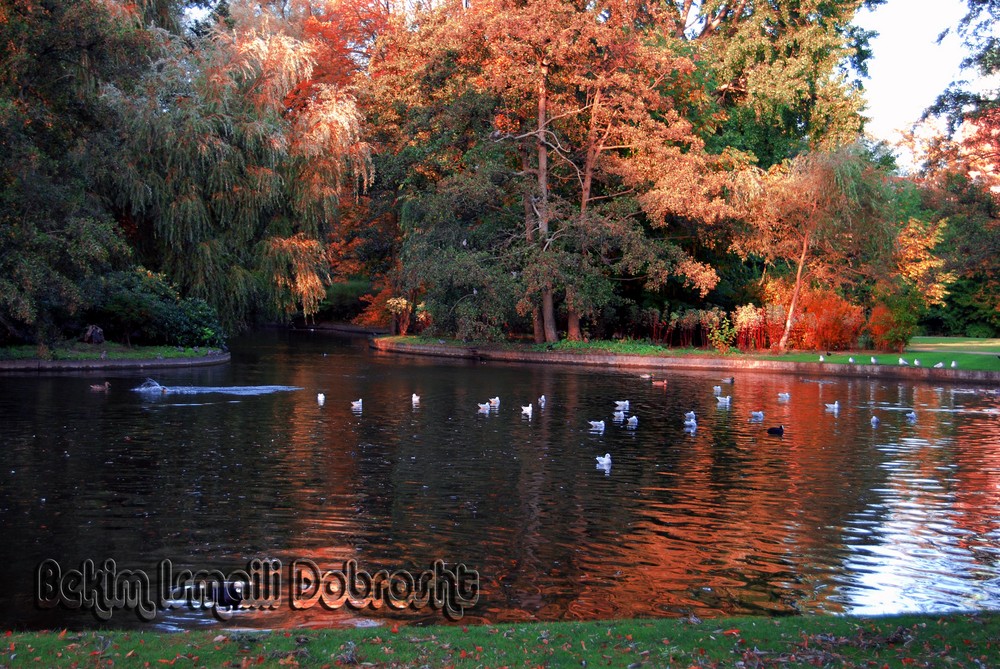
{"x":573,"y":331}
{"x":783,"y":344}
{"x":548,"y":304}
{"x":529,"y":233}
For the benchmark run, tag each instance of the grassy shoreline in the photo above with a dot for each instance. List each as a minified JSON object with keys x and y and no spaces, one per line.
{"x":955,"y":640}
{"x":968,"y":354}
{"x":79,"y":351}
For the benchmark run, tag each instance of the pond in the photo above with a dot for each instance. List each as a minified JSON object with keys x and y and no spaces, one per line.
{"x":215,"y":468}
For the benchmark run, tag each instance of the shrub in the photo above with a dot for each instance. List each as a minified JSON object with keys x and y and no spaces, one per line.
{"x":837,"y":323}
{"x":750,"y":323}
{"x":140,"y":306}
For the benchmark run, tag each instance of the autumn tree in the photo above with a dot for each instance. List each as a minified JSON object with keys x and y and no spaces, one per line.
{"x":222,"y":186}
{"x":821,"y":214}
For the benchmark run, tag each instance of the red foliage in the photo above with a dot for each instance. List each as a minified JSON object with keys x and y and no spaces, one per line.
{"x":834,"y":323}
{"x":884,"y":329}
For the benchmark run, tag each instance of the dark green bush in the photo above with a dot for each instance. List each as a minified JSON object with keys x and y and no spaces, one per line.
{"x":141,"y":307}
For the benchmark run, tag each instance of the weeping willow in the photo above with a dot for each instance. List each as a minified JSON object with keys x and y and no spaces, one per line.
{"x":221,"y":187}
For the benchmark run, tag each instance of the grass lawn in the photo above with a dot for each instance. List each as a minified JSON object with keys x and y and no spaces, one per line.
{"x":945,"y":344}
{"x":75,"y":350}
{"x":811,"y":641}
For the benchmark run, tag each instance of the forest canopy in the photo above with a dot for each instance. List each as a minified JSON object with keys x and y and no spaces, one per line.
{"x":693,"y":172}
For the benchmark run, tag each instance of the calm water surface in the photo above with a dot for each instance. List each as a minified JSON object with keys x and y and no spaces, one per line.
{"x":834,"y":516}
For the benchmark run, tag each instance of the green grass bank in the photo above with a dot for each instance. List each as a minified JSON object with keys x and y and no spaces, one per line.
{"x":930,"y":360}
{"x":956,"y":640}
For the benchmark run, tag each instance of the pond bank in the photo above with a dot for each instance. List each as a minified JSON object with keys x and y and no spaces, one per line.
{"x":37,"y":365}
{"x":516,"y":353}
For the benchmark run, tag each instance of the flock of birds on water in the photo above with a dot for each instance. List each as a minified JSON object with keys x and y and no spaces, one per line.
{"x":622,"y":408}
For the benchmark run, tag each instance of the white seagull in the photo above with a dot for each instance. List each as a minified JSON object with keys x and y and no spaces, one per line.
{"x":618,"y":416}
{"x":822,"y":359}
{"x":784,"y":397}
{"x":874,"y":360}
{"x":541,"y":402}
{"x":954,"y":364}
{"x":690,"y":416}
{"x":527,"y":410}
{"x":415,"y":399}
{"x":724,"y":400}
{"x":939,"y":365}
{"x":605,"y":461}
{"x":851,"y":360}
{"x":756,"y":416}
{"x":621,"y":405}
{"x":320,"y":399}
{"x":483,"y":408}
{"x":875,"y":421}
{"x":356,"y":404}
{"x":597,"y":425}
{"x":911,"y":416}
{"x":916,"y":362}
{"x":632,"y":422}
{"x":835,"y":407}
{"x":495,"y":401}
{"x":903,"y":362}
{"x":717,"y":390}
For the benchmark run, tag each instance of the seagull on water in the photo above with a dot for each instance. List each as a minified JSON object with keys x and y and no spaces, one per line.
{"x":495,"y":401}
{"x":483,"y":408}
{"x":596,"y":425}
{"x":605,"y":461}
{"x":527,"y":410}
{"x":717,"y":390}
{"x":690,"y":416}
{"x":356,"y":404}
{"x":632,"y":422}
{"x":875,"y":421}
{"x":835,"y":407}
{"x":784,"y":397}
{"x":320,"y":399}
{"x":724,"y":400}
{"x":618,"y":416}
{"x":541,"y":402}
{"x":415,"y":399}
{"x":756,"y":416}
{"x":911,"y":416}
{"x":621,"y":405}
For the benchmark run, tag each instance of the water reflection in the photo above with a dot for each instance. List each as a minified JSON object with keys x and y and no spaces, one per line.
{"x":831,"y":516}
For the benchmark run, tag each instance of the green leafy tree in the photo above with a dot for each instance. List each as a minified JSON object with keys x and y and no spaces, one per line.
{"x":54,"y":234}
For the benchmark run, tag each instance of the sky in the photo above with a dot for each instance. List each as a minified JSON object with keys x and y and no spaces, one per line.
{"x":909,"y":68}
